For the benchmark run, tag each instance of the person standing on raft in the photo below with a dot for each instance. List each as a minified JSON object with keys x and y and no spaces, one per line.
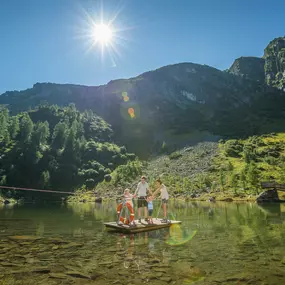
{"x":141,"y":192}
{"x":129,"y":197}
{"x":164,"y":198}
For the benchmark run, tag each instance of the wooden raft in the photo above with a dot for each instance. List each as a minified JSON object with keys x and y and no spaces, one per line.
{"x":140,"y":227}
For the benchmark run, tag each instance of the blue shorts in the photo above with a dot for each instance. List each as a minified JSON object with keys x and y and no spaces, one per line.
{"x":150,"y":212}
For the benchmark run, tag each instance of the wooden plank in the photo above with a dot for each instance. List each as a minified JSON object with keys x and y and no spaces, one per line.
{"x":140,"y":227}
{"x":272,"y":184}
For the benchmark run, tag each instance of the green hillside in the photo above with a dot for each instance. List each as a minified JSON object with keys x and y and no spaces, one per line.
{"x":56,"y":148}
{"x":228,"y":169}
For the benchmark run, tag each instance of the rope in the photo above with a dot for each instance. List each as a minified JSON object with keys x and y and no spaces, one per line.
{"x":35,"y":190}
{"x":159,"y":209}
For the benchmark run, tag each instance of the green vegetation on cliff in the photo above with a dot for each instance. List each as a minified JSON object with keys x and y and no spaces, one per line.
{"x":57,"y":148}
{"x":229,"y":169}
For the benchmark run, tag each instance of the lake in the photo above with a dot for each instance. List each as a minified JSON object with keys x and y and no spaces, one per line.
{"x":217,"y":243}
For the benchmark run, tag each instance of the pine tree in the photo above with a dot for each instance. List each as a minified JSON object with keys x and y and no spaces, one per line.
{"x":59,"y":135}
{"x":26,"y":127}
{"x":234,"y":182}
{"x":14,"y":127}
{"x":243,"y":179}
{"x":222,"y":178}
{"x":45,"y":179}
{"x":4,"y":118}
{"x":253,"y":176}
{"x":41,"y":133}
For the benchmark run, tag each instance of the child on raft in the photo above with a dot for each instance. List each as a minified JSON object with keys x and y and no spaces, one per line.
{"x":150,"y":209}
{"x":129,"y":197}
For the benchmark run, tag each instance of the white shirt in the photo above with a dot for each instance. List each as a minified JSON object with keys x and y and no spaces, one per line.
{"x":142,"y":188}
{"x":129,"y":198}
{"x":164,"y":193}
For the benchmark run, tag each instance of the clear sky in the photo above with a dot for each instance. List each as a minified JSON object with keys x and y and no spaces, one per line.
{"x":45,"y":40}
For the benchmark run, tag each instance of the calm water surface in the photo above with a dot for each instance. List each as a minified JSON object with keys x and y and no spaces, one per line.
{"x":221,"y":243}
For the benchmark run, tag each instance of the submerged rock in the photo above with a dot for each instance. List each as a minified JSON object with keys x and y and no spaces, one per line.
{"x":43,"y":269}
{"x":77,"y":274}
{"x":24,"y":238}
{"x":57,"y":240}
{"x":165,"y":278}
{"x":58,"y":275}
{"x":72,"y":244}
{"x":268,"y":196}
{"x":96,"y":275}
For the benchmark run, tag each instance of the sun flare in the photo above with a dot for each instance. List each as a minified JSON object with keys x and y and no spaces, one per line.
{"x":102,"y":34}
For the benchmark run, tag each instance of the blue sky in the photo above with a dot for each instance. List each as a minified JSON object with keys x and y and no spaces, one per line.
{"x":43,"y":41}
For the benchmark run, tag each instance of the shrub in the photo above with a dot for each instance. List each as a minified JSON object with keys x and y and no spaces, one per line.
{"x":127,"y":172}
{"x":233,"y":148}
{"x":175,"y":155}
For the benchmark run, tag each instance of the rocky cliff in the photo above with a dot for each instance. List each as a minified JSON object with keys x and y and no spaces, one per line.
{"x":274,"y":55}
{"x":269,"y":69}
{"x":249,"y":67}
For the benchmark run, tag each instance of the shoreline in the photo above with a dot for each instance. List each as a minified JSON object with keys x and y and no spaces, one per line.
{"x":209,"y":197}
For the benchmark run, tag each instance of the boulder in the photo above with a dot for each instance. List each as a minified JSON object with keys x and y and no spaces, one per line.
{"x":98,"y":200}
{"x":107,"y":177}
{"x":212,"y":199}
{"x":268,"y":196}
{"x":194,"y":195}
{"x":227,"y":199}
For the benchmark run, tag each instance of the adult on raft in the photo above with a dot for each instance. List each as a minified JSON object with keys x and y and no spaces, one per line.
{"x":141,"y":193}
{"x":164,"y":198}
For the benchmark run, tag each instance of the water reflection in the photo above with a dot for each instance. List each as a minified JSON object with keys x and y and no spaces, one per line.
{"x":217,"y":243}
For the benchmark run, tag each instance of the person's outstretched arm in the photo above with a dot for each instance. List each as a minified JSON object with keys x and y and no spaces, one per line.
{"x":137,"y":190}
{"x":156,"y":191}
{"x":149,"y":190}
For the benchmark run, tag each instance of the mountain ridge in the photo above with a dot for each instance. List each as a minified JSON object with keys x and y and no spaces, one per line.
{"x":182,"y":98}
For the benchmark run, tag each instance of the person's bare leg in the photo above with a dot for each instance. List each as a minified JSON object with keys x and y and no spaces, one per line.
{"x":139,"y":212}
{"x":145,"y":212}
{"x":164,"y":211}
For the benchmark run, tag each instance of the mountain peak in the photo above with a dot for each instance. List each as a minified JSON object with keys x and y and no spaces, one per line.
{"x":274,"y":55}
{"x":249,"y":67}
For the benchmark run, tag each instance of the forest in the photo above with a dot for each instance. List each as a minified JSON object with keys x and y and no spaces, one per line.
{"x":59,"y":148}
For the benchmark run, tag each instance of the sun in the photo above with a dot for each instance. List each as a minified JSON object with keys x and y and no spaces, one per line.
{"x":102,"y":34}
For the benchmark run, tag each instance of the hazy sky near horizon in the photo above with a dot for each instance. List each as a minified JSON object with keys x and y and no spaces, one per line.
{"x":47,"y":41}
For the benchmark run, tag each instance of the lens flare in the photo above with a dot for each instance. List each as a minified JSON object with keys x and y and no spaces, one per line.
{"x":179,"y":237}
{"x":125,"y":96}
{"x":131,"y":112}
